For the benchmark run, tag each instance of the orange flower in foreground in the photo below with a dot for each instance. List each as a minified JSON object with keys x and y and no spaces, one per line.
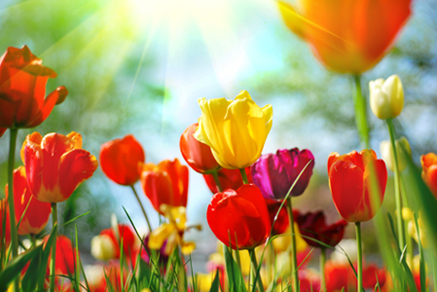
{"x":37,"y":214}
{"x":347,"y":36}
{"x":429,"y":172}
{"x":350,"y":178}
{"x":119,"y":160}
{"x":165,"y":183}
{"x":56,"y":165}
{"x":23,"y":81}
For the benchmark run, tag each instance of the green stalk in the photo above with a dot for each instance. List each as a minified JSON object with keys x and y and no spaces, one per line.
{"x":359,"y":257}
{"x":53,"y":259}
{"x":142,"y":208}
{"x":217,"y":181}
{"x":397,"y":181}
{"x":293,"y":261}
{"x":244,"y":176}
{"x":322,"y":267}
{"x":256,"y":271}
{"x":11,"y":161}
{"x":361,"y":113}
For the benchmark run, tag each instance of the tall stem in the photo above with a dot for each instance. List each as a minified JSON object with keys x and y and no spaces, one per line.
{"x":359,"y":257}
{"x":142,"y":208}
{"x":397,"y":179}
{"x":53,"y":259}
{"x":11,"y":161}
{"x":217,"y":181}
{"x":293,"y":266}
{"x":361,"y":113}
{"x":256,"y":271}
{"x":244,"y":176}
{"x":322,"y":267}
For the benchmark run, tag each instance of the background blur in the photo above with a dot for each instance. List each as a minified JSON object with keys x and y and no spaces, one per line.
{"x":139,"y":66}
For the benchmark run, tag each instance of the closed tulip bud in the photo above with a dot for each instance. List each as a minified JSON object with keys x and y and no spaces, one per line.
{"x":386,"y":97}
{"x":102,"y":247}
{"x":387,"y":153}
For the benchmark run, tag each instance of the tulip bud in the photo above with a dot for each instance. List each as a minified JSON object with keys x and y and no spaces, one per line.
{"x":102,"y":247}
{"x":387,"y":153}
{"x":386,"y":97}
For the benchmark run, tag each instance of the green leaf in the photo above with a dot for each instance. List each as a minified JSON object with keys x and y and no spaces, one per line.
{"x":216,"y":283}
{"x":45,"y":258}
{"x":236,"y":280}
{"x":30,"y":279}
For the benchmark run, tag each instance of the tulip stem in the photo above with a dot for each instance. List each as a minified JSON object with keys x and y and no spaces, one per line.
{"x":293,"y":261}
{"x":11,"y":161}
{"x":256,"y":274}
{"x":359,"y":257}
{"x":244,"y":176}
{"x":322,"y":267}
{"x":142,"y":208}
{"x":53,"y":258}
{"x":361,"y":113}
{"x":397,"y":179}
{"x":217,"y":181}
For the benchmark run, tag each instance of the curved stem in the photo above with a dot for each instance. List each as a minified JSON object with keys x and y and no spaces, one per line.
{"x":217,"y":181}
{"x":53,"y":259}
{"x":322,"y":267}
{"x":244,"y":176}
{"x":256,"y":271}
{"x":293,"y":262}
{"x":359,"y":257}
{"x":361,"y":113}
{"x":142,"y":208}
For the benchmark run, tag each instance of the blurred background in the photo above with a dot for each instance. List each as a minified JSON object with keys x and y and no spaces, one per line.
{"x":139,"y":66}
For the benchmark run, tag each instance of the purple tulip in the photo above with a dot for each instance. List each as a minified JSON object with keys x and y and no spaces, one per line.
{"x":274,"y":174}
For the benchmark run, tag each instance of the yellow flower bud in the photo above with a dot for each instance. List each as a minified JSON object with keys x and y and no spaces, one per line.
{"x":102,"y":247}
{"x":236,"y":130}
{"x":387,"y":153}
{"x":386,"y":97}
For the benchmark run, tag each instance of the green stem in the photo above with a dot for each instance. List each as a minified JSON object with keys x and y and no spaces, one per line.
{"x":359,"y":257}
{"x":244,"y":176}
{"x":217,"y":181}
{"x":11,"y":161}
{"x":322,"y":267}
{"x":397,"y":181}
{"x":256,"y":271}
{"x":142,"y":208}
{"x":293,"y":261}
{"x":361,"y":113}
{"x":53,"y":258}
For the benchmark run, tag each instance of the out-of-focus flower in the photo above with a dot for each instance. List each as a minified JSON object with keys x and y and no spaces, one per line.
{"x":236,"y":130}
{"x":23,"y":79}
{"x":2,"y":131}
{"x":197,"y":154}
{"x":412,"y":230}
{"x":37,"y":213}
{"x":5,"y":234}
{"x":402,"y":145}
{"x":229,"y":179}
{"x":350,"y":180}
{"x":106,"y":245}
{"x":309,"y":280}
{"x":165,"y":183}
{"x":282,"y":222}
{"x":204,"y":281}
{"x":429,"y":171}
{"x":386,"y":97}
{"x":348,"y":246}
{"x":56,"y":165}
{"x":313,"y":225}
{"x":102,"y":247}
{"x":95,"y":275}
{"x":274,"y":174}
{"x":119,"y":160}
{"x":164,"y":253}
{"x":239,"y":218}
{"x":65,"y":261}
{"x":283,"y":260}
{"x":347,"y":37}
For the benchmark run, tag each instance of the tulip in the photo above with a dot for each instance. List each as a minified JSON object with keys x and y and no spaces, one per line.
{"x":119,"y":160}
{"x":23,"y":80}
{"x":197,"y":154}
{"x":56,"y":165}
{"x":229,"y":179}
{"x":165,"y":183}
{"x":274,"y":174}
{"x":102,"y":247}
{"x":5,"y":234}
{"x":387,"y":153}
{"x":2,"y":131}
{"x":347,"y":37}
{"x":236,"y":130}
{"x":37,"y":213}
{"x":282,"y":222}
{"x":429,"y":171}
{"x":386,"y":97}
{"x":65,"y":259}
{"x":239,"y":218}
{"x":129,"y":239}
{"x":350,"y":180}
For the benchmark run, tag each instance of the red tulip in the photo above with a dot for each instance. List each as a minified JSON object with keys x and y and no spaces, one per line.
{"x":197,"y":154}
{"x":125,"y":233}
{"x":2,"y":131}
{"x":239,"y":218}
{"x":313,"y":225}
{"x":56,"y":165}
{"x":429,"y":172}
{"x":37,"y":213}
{"x":65,"y":261}
{"x":350,"y":180}
{"x":119,"y":160}
{"x":23,"y":81}
{"x":229,"y":179}
{"x":282,"y":221}
{"x":165,"y":183}
{"x":5,"y":235}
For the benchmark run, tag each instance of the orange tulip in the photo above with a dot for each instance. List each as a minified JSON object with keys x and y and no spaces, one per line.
{"x":429,"y":172}
{"x":56,"y":165}
{"x":119,"y":160}
{"x":5,"y":234}
{"x":165,"y":183}
{"x":37,"y":214}
{"x":347,"y":36}
{"x":65,"y":260}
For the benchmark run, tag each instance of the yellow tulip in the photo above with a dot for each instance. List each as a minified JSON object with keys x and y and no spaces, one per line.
{"x":236,"y":130}
{"x":386,"y":97}
{"x":387,"y":153}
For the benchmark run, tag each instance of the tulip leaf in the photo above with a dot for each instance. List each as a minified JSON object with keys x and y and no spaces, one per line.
{"x":45,"y":258}
{"x":30,"y":279}
{"x":236,"y":280}
{"x":216,"y":283}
